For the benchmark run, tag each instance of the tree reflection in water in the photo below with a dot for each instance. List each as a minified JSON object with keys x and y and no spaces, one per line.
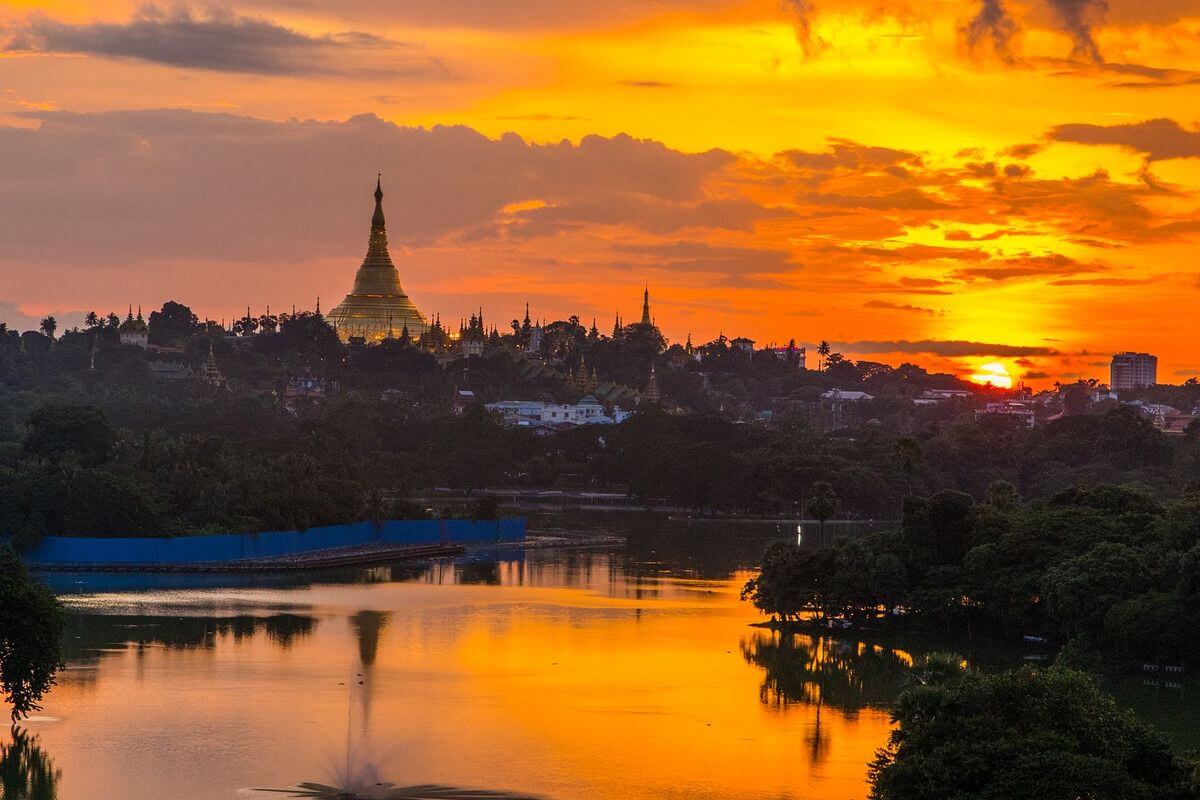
{"x":89,"y":635}
{"x":26,"y":772}
{"x":816,"y":671}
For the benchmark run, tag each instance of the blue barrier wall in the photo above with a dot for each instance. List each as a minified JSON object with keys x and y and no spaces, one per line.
{"x":237,"y":546}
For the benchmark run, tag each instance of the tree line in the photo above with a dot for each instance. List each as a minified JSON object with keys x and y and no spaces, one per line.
{"x":1108,"y":572}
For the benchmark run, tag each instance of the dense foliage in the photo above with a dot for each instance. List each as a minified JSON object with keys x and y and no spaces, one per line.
{"x":31,"y":625}
{"x":1109,"y":570}
{"x":1022,"y":735}
{"x":92,"y":442}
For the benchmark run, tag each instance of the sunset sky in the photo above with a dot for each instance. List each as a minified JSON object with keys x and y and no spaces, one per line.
{"x":954,"y":183}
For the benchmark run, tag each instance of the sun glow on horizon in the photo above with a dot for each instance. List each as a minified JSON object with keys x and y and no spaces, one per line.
{"x":993,"y":373}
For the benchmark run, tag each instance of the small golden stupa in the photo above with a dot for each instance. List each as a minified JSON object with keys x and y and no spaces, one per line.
{"x":377,"y":307}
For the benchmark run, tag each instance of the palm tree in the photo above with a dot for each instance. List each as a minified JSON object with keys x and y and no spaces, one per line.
{"x":823,"y":504}
{"x":92,"y":320}
{"x":823,"y":351}
{"x":908,"y":454}
{"x":48,"y":326}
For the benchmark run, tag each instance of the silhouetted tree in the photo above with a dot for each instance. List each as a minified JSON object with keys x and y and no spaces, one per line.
{"x":31,"y":625}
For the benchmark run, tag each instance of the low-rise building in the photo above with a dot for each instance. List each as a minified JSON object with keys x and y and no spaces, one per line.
{"x":305,"y":387}
{"x":134,"y":330}
{"x":844,"y":396}
{"x":800,"y":354}
{"x":534,"y":414}
{"x":931,"y":397}
{"x":1009,"y":408}
{"x":743,"y":344}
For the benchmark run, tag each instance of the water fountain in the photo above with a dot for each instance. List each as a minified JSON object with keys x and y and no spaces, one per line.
{"x":361,"y":780}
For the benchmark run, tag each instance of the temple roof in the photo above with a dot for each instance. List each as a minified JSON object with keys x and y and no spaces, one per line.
{"x":132,"y":324}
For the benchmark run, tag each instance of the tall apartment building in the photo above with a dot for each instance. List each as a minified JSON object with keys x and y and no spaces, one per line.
{"x":1132,"y":370}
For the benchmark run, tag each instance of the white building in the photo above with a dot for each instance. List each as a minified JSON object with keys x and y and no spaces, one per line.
{"x":784,"y":353}
{"x":932,"y":397}
{"x":1133,"y":370}
{"x":840,"y":396}
{"x":534,"y":414}
{"x":135,"y":331}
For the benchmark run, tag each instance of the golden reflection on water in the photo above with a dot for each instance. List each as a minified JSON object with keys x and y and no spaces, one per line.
{"x":565,"y":677}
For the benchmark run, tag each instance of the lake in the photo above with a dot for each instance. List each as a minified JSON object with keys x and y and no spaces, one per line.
{"x":626,"y":672}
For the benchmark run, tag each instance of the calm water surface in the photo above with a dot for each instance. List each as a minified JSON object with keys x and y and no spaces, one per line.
{"x":632,"y":672}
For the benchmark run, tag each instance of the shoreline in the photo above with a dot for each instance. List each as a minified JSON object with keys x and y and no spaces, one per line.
{"x":316,"y":559}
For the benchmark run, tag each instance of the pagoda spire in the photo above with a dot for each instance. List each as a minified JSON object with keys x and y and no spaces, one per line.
{"x":646,"y":306}
{"x":377,"y":220}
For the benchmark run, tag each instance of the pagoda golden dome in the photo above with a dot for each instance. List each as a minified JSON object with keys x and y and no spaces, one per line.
{"x":377,"y":308}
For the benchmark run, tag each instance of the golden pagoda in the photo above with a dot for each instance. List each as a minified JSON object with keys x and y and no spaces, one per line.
{"x":377,"y":304}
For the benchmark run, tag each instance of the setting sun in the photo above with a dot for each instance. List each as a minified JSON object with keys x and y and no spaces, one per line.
{"x":993,"y":373}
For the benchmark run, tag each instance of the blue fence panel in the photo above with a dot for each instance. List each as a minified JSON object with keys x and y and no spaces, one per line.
{"x":234,"y":547}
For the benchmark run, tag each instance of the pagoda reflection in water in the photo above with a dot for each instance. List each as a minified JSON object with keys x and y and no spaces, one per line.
{"x":377,"y":307}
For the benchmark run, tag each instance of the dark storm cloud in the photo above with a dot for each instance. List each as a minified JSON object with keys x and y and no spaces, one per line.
{"x":225,"y":42}
{"x":1139,"y":76}
{"x":1158,"y":139}
{"x":1125,"y":76}
{"x":949,"y":348}
{"x":801,"y":13}
{"x":1076,"y":17}
{"x":1028,"y":266}
{"x":991,"y":24}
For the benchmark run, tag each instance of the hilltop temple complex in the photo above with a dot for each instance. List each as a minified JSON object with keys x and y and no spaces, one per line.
{"x":377,"y":308}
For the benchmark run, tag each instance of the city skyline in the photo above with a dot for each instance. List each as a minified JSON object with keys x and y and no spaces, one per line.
{"x":944,"y":186}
